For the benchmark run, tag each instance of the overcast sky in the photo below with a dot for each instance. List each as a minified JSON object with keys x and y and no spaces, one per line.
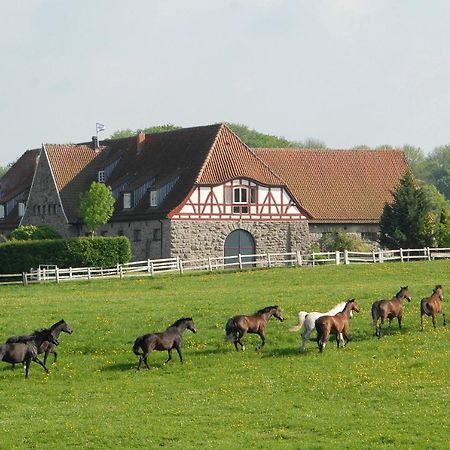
{"x":347,"y":72}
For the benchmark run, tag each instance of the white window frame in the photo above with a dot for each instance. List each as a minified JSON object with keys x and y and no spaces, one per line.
{"x":2,"y":211}
{"x":21,"y":208}
{"x":126,"y":200}
{"x":240,"y":190}
{"x":153,"y":198}
{"x":101,"y":176}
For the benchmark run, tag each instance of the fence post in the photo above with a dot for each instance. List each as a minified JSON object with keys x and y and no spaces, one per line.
{"x":313,"y":257}
{"x":118,"y":269}
{"x":240,"y":261}
{"x":346,"y":260}
{"x":269,"y":261}
{"x":374,"y":257}
{"x":381,"y":256}
{"x":180,"y":262}
{"x":152,"y":270}
{"x":299,"y":258}
{"x":24,"y":279}
{"x":338,"y":257}
{"x":121,"y":272}
{"x":401,"y":255}
{"x":428,"y":253}
{"x":148,"y":265}
{"x":89,"y":273}
{"x":70,"y":273}
{"x":209,"y":264}
{"x":57,"y":274}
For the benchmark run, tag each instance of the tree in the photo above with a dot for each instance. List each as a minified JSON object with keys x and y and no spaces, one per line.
{"x":34,"y":233}
{"x":96,"y":206}
{"x":402,"y":221}
{"x":339,"y":240}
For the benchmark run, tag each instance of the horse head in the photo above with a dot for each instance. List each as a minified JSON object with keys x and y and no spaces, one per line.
{"x":190,"y":325}
{"x":354,"y":305}
{"x":65,"y":327}
{"x":438,"y":290}
{"x":278,"y":314}
{"x":404,"y":293}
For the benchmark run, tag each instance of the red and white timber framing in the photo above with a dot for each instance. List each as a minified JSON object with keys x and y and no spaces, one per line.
{"x":222,"y":202}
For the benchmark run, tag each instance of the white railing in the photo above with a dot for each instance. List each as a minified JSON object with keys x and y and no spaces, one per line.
{"x":239,"y":262}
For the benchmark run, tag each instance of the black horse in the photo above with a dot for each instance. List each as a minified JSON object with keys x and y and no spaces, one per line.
{"x":25,"y":352}
{"x":167,"y":340}
{"x":46,"y":347}
{"x":237,"y":326}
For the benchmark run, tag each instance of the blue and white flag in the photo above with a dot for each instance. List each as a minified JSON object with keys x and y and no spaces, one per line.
{"x":99,"y":127}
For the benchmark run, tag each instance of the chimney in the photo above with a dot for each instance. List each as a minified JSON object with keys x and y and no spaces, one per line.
{"x":95,"y":142}
{"x":140,"y":142}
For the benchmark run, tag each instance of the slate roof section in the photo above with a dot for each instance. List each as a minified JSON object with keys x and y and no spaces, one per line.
{"x":339,"y":185}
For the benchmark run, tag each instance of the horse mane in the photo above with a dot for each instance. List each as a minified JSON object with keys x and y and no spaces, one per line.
{"x":438,"y":286}
{"x":179,"y":321}
{"x":57,"y":324}
{"x":266,"y":309}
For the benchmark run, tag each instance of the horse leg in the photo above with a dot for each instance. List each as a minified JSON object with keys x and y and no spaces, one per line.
{"x":380,"y":329}
{"x":240,"y":335}
{"x":144,"y":358}
{"x":389,"y":327}
{"x":178,"y":349}
{"x":443,"y":315}
{"x":433,"y":318}
{"x":13,"y":366}
{"x":305,"y":338}
{"x":399,"y":320}
{"x":46,"y":356}
{"x":263,"y":340}
{"x":170,"y":356}
{"x":37,"y":360}
{"x":27,"y":367}
{"x":56,"y":355}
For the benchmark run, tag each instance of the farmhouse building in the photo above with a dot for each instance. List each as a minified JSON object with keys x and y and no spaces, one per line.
{"x":201,"y":191}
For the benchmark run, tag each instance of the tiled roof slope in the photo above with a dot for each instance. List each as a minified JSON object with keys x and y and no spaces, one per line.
{"x":231,"y":158}
{"x":339,"y":185}
{"x":74,"y":170}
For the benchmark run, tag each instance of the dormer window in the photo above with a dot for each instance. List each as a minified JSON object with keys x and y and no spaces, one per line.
{"x":2,"y":211}
{"x":21,"y":209}
{"x":242,"y":198}
{"x":153,"y":198}
{"x":101,"y":176}
{"x":127,"y":200}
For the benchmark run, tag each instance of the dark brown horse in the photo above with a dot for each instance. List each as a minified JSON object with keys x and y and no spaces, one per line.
{"x":337,"y":324}
{"x":389,"y":309}
{"x":432,"y":306}
{"x":25,"y":352}
{"x":167,"y":340}
{"x":46,"y":347}
{"x":237,"y":326}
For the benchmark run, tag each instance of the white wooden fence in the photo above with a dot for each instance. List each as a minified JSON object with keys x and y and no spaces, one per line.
{"x":153,"y":267}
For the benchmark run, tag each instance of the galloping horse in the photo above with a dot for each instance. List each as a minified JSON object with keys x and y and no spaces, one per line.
{"x":337,"y":324}
{"x":21,"y":352}
{"x":432,"y":306}
{"x":237,"y":326}
{"x":46,"y":347}
{"x":307,"y":320}
{"x":389,"y":309}
{"x":167,"y":340}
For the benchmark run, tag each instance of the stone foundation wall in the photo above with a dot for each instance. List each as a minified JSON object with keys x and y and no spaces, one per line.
{"x":198,"y":239}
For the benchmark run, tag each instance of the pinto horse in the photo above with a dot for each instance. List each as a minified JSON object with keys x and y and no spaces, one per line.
{"x":389,"y":309}
{"x":237,"y":326}
{"x":308,"y":321}
{"x":337,"y":324}
{"x":167,"y":340}
{"x":25,"y":352}
{"x":432,"y":305}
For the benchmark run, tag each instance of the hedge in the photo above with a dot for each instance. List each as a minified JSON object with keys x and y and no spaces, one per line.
{"x":20,"y":256}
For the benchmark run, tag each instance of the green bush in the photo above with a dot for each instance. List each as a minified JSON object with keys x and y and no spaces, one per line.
{"x":339,"y":241}
{"x":34,"y":233}
{"x":20,"y":256}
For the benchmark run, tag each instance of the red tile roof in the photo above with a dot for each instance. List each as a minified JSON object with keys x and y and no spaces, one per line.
{"x":339,"y":185}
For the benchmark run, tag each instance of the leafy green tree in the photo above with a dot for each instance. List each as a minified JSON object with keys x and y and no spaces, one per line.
{"x":155,"y":129}
{"x":339,"y":241}
{"x":34,"y":233}
{"x":96,"y":206}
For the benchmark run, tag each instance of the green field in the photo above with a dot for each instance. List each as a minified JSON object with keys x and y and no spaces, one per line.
{"x":390,"y":393}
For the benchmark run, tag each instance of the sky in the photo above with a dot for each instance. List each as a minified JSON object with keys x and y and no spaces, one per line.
{"x":346,"y":72}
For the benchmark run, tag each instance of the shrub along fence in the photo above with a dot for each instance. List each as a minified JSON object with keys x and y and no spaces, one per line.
{"x":46,"y":273}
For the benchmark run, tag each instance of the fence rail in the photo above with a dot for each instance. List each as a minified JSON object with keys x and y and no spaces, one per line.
{"x":47,"y":273}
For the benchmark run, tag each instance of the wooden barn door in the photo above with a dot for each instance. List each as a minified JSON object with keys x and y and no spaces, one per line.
{"x":239,"y":241}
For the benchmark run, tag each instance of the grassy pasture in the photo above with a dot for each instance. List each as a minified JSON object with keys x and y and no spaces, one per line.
{"x":391,"y":393}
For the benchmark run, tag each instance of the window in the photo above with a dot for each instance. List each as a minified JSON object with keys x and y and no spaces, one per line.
{"x":21,"y":209}
{"x":101,"y":176}
{"x":240,"y":195}
{"x":127,"y":200}
{"x":2,"y":211}
{"x":252,"y":196}
{"x":153,"y":198}
{"x":137,"y":236}
{"x":156,"y":234}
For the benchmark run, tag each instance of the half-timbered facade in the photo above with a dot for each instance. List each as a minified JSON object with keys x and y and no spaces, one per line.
{"x":201,"y":191}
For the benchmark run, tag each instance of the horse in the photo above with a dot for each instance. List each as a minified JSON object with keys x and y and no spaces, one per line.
{"x":168,"y":340}
{"x":307,"y":320}
{"x":46,"y":347}
{"x":389,"y":309}
{"x":337,"y":324}
{"x":25,"y":352}
{"x":237,"y":326}
{"x":432,"y":305}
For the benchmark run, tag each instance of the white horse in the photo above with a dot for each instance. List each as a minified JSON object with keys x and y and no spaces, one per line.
{"x":308,"y":320}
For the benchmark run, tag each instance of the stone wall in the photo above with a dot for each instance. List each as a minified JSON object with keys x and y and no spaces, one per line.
{"x":198,"y":239}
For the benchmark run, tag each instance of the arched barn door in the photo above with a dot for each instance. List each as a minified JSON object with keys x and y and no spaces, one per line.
{"x":239,"y":241}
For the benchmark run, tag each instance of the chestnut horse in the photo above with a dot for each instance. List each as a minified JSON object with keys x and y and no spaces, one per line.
{"x":337,"y":324}
{"x":237,"y":326}
{"x":389,"y":309}
{"x":167,"y":340}
{"x":432,"y":306}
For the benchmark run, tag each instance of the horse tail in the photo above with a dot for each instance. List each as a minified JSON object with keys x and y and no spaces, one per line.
{"x":375,"y":313}
{"x":319,"y":328}
{"x":137,"y":346}
{"x":424,"y":308}
{"x":230,"y":329}
{"x":301,"y":320}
